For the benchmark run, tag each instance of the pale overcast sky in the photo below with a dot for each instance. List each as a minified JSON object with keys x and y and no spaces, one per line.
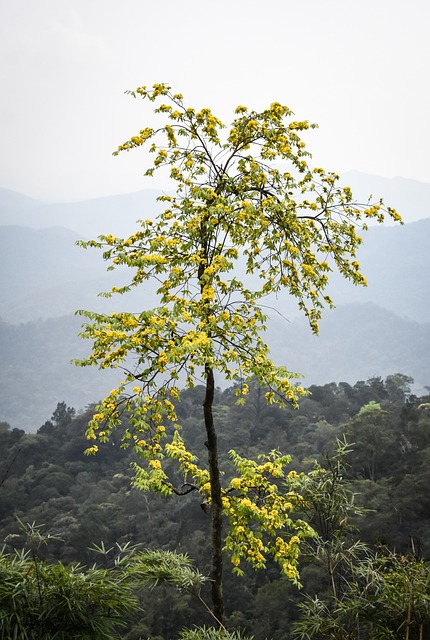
{"x":359,"y":69}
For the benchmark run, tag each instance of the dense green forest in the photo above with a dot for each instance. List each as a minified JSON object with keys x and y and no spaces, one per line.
{"x":45,"y":478}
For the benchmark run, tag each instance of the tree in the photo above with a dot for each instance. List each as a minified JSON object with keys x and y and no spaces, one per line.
{"x":246,"y":202}
{"x":60,"y":419}
{"x":337,"y":605}
{"x":403,"y":596}
{"x":372,"y":431}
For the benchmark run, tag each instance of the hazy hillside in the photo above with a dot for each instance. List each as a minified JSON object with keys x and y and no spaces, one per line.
{"x":36,"y":259}
{"x":115,"y":214}
{"x":410,"y":197}
{"x":43,"y":274}
{"x":396,"y":263}
{"x":378,"y":330}
{"x":36,"y":371}
{"x":356,"y":342}
{"x":13,"y":203}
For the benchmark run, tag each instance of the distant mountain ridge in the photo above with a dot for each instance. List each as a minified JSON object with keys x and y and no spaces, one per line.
{"x":45,"y":277}
{"x":410,"y":197}
{"x":36,"y":371}
{"x":12,"y":202}
{"x":115,"y":214}
{"x":44,"y":274}
{"x":357,"y":342}
{"x":396,"y":264}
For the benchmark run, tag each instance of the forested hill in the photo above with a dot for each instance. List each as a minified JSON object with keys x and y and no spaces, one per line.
{"x":384,"y":329}
{"x":356,"y":343}
{"x":44,"y":477}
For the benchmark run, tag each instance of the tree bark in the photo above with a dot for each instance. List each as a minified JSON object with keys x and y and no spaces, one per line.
{"x":216,"y":499}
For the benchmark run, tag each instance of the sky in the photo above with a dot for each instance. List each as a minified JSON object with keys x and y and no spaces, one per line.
{"x":358,"y":69}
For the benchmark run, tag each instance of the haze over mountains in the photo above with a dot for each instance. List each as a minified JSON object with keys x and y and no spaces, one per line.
{"x":44,"y":278}
{"x":115,"y":214}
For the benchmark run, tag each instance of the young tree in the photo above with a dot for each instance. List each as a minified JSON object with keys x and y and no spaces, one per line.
{"x":246,"y":202}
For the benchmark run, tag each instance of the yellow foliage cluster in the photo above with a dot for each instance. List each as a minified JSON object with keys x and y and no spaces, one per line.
{"x":290,"y":228}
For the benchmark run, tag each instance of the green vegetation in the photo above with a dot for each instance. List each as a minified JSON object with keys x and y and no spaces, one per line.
{"x":85,"y":500}
{"x":40,"y":600}
{"x":46,"y":601}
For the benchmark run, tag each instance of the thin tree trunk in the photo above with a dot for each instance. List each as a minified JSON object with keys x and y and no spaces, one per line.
{"x":216,"y":499}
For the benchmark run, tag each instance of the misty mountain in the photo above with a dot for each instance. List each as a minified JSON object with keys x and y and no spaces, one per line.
{"x":36,"y":259}
{"x":45,"y":278}
{"x":13,"y":203}
{"x":117,"y":214}
{"x":356,"y":342}
{"x":410,"y":197}
{"x":396,"y":264}
{"x":44,"y":274}
{"x":113,"y":214}
{"x":36,"y":371}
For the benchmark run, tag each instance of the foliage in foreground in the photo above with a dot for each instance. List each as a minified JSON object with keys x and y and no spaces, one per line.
{"x":40,"y":600}
{"x":43,"y":601}
{"x":369,"y":595}
{"x":210,"y":633}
